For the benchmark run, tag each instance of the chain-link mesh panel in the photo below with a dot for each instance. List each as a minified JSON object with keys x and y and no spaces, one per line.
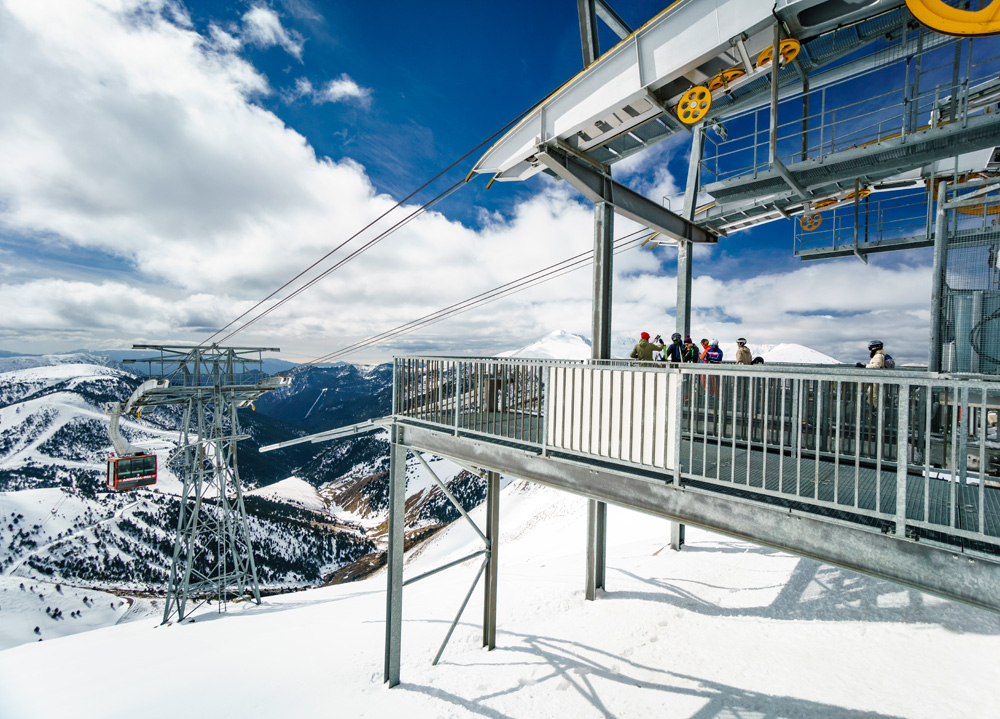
{"x":970,"y":299}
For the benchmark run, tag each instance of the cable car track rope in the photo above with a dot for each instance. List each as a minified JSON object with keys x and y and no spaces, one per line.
{"x":380,"y":237}
{"x":520,"y":284}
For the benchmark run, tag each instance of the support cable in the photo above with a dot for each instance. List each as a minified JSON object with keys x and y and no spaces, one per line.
{"x":525,"y":282}
{"x":374,"y":241}
{"x":366,"y":227}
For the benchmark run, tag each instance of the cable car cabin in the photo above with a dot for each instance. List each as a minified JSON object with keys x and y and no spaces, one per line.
{"x":131,"y":472}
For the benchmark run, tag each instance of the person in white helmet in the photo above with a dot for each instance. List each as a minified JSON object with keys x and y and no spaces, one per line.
{"x":743,"y":355}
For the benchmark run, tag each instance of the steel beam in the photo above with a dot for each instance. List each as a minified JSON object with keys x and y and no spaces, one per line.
{"x":599,"y":187}
{"x":394,"y":559}
{"x":492,"y":576}
{"x":919,"y":565}
{"x":612,"y":19}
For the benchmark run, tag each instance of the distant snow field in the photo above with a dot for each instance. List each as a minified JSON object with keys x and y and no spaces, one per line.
{"x":722,"y":629}
{"x":292,"y":491}
{"x":565,"y":345}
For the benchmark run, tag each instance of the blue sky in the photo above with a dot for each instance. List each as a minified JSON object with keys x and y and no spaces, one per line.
{"x":170,"y":163}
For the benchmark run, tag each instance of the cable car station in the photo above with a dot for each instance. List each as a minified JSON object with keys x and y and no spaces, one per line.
{"x":873,"y":126}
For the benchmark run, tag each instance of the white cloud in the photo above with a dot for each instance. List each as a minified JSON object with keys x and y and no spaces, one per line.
{"x":303,"y":88}
{"x":142,"y":141}
{"x":343,"y":89}
{"x":262,"y":27}
{"x":222,"y":40}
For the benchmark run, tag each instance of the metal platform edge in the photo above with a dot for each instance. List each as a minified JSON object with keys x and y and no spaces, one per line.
{"x":925,"y":567}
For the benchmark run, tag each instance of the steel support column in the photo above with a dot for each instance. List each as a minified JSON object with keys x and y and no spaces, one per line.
{"x":394,"y":560}
{"x":588,"y":31}
{"x":684,"y":249}
{"x":604,"y":241}
{"x":597,"y":512}
{"x":682,"y":311}
{"x":493,"y":541}
{"x":597,"y":521}
{"x":938,"y":275}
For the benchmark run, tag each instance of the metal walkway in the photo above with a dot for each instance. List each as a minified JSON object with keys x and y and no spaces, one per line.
{"x":807,"y":459}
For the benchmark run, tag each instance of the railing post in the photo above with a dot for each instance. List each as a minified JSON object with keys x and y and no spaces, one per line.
{"x":902,"y":456}
{"x":458,"y":395}
{"x":493,"y":541}
{"x":394,"y":559}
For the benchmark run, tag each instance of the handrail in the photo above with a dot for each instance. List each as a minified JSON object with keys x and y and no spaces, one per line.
{"x":843,"y":442}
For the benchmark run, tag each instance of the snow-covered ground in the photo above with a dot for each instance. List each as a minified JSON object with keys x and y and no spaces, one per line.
{"x":723,"y":629}
{"x":292,"y":491}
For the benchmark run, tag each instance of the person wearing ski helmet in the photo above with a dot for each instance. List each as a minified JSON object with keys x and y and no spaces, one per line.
{"x":877,"y":355}
{"x":675,"y":350}
{"x":743,"y":355}
{"x":713,"y":355}
{"x":644,"y":349}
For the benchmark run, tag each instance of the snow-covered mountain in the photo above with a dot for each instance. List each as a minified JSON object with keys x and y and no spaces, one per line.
{"x":555,"y":345}
{"x":321,"y":519}
{"x":721,"y":629}
{"x":565,"y":345}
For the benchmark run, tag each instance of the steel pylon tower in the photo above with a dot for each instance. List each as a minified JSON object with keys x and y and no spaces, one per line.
{"x":213,"y":557}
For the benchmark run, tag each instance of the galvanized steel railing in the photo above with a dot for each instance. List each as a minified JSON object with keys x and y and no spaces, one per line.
{"x":841,"y":442}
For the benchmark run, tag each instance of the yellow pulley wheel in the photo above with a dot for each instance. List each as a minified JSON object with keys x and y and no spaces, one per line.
{"x":724,"y":78}
{"x":788,"y":49}
{"x":810,"y":222}
{"x":824,"y":203}
{"x":694,"y":105}
{"x":948,"y":20}
{"x":861,"y":194}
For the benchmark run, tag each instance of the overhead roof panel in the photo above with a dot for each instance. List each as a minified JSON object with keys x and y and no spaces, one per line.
{"x":672,"y":44}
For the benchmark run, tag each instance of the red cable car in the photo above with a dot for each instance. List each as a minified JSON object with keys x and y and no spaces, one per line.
{"x":131,"y":472}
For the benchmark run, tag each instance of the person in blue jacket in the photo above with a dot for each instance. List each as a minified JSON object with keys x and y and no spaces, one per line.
{"x":713,"y":355}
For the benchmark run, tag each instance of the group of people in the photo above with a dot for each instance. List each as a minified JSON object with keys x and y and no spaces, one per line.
{"x":687,"y":351}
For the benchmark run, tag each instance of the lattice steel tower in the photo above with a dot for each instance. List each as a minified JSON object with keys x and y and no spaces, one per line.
{"x":213,"y":558}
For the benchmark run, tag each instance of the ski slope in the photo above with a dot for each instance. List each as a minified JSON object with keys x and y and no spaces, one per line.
{"x":722,"y":629}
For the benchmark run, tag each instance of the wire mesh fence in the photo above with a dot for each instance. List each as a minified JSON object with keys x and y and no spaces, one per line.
{"x":969,"y":313}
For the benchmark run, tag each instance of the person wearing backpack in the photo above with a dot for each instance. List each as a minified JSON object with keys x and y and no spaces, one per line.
{"x":675,"y":350}
{"x":690,"y":351}
{"x":879,"y":359}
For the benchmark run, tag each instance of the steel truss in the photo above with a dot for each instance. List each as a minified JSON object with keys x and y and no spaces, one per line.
{"x":396,"y":539}
{"x":213,"y":554}
{"x":395,"y":581}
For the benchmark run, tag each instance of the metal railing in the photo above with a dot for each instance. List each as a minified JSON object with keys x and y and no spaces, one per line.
{"x":885,"y":222}
{"x":907,"y":452}
{"x":907,"y":93}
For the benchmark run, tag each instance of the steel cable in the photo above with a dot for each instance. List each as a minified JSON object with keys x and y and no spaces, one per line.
{"x":501,"y":291}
